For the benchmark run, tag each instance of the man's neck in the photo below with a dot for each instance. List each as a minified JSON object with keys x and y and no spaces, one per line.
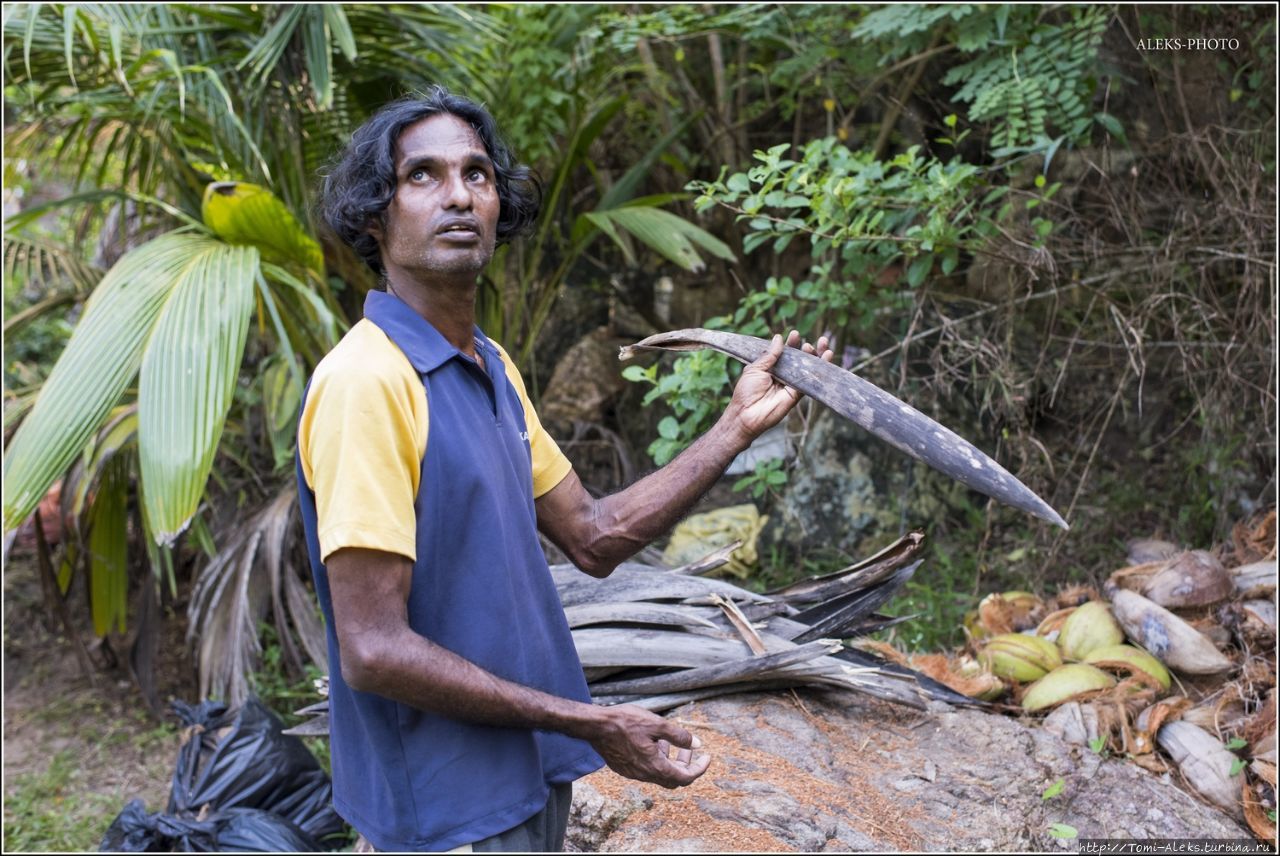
{"x":449,"y":305}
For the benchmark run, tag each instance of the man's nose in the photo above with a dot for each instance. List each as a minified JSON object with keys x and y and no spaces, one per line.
{"x":458,"y":193}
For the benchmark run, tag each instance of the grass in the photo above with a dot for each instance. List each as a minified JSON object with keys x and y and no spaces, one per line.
{"x":65,"y":806}
{"x":50,"y":811}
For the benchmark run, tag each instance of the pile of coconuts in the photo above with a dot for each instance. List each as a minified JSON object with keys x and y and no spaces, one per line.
{"x":1172,"y":665}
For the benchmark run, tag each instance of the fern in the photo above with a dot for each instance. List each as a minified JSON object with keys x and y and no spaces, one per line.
{"x":1030,"y":76}
{"x":1042,"y":82}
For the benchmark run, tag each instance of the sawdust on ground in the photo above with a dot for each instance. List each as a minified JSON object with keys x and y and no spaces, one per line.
{"x":847,"y":790}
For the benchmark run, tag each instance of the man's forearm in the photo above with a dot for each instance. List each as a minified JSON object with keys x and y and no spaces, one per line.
{"x":628,"y":520}
{"x":413,"y":670}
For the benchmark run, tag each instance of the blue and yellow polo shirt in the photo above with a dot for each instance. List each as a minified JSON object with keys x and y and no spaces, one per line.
{"x":407,"y":445}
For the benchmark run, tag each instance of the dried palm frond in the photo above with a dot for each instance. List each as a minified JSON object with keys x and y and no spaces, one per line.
{"x":253,"y":573}
{"x":655,"y":638}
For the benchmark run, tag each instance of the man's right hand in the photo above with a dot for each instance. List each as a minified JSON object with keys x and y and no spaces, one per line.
{"x":637,"y":744}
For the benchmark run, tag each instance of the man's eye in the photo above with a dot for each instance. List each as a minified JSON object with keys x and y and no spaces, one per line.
{"x":417,"y":175}
{"x":478,"y":175}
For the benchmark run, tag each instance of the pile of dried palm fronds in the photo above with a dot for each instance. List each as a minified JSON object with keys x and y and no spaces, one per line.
{"x":659,"y":638}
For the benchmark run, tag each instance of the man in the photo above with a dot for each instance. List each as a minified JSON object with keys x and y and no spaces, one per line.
{"x":459,"y":712}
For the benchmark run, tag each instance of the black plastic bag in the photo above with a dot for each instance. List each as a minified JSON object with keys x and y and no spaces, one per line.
{"x":239,"y":759}
{"x":232,"y":830}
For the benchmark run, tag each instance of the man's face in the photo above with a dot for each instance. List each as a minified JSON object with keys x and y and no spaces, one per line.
{"x":443,"y":219}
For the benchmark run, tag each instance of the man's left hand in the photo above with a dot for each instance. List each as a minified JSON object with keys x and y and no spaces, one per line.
{"x":760,"y":400}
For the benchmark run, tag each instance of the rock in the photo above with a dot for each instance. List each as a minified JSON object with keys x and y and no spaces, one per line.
{"x":586,"y":379}
{"x":833,"y":772}
{"x":850,"y":486}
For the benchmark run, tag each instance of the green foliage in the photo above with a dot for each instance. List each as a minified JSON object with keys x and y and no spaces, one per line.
{"x":1032,"y":74}
{"x":284,"y":691}
{"x":767,"y":476}
{"x":695,"y":392}
{"x":860,"y":215}
{"x":1062,"y":830}
{"x":1053,"y":790}
{"x":877,"y":230}
{"x":940,"y":596}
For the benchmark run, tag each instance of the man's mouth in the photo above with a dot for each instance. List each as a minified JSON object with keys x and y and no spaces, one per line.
{"x":462,"y":230}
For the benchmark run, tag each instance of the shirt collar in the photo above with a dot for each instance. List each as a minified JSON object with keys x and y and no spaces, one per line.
{"x":421,"y":342}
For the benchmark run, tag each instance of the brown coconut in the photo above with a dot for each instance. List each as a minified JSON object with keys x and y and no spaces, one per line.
{"x":1193,"y":578}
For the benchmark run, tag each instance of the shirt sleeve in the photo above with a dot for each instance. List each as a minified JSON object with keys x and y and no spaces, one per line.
{"x":550,"y":465}
{"x":361,"y":439}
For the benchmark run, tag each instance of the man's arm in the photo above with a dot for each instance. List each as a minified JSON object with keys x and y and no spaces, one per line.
{"x":382,"y":654}
{"x":597,"y":534}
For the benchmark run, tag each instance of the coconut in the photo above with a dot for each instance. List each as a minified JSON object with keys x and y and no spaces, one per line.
{"x":1170,"y":639}
{"x":1020,"y":657}
{"x":1193,"y":578}
{"x":1090,"y":626}
{"x":1205,"y":763}
{"x":1065,"y":683}
{"x":1132,"y":660}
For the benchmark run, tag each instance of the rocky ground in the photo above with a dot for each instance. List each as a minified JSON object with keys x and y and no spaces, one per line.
{"x":825,"y":771}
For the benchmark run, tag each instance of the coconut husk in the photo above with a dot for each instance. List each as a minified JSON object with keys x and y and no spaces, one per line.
{"x":1118,"y":708}
{"x":1260,"y":729}
{"x":1220,"y":714}
{"x":947,"y":670}
{"x":1132,"y":577}
{"x":1052,"y":622}
{"x":1205,"y":764}
{"x":1255,"y":540}
{"x":1074,"y":596}
{"x":1142,"y":550}
{"x":1256,"y":799}
{"x":1256,"y":579}
{"x":884,"y":649}
{"x":1210,"y":628}
{"x":999,"y":614}
{"x":1153,"y":762}
{"x":1259,"y":673}
{"x":1251,"y":622}
{"x":1264,"y":770}
{"x":1149,"y":721}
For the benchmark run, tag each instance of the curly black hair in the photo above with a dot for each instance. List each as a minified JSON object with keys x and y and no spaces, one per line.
{"x":356,"y":192}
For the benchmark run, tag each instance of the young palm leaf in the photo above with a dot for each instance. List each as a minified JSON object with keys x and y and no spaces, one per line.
{"x":180,"y":299}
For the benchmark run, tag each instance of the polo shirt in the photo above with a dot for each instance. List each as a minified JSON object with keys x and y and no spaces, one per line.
{"x":409,"y":446}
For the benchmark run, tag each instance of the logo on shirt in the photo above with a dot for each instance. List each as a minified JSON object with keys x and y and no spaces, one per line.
{"x":524,"y":435}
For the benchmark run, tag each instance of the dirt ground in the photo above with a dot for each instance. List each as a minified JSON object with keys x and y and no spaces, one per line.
{"x":76,"y":751}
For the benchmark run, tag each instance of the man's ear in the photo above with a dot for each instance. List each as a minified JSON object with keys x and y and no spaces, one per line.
{"x":374,"y":228}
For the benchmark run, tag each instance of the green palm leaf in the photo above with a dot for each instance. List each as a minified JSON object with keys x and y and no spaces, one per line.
{"x":106,"y":351}
{"x":243,"y":213}
{"x":189,"y":373}
{"x":665,"y":233}
{"x":109,"y":550}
